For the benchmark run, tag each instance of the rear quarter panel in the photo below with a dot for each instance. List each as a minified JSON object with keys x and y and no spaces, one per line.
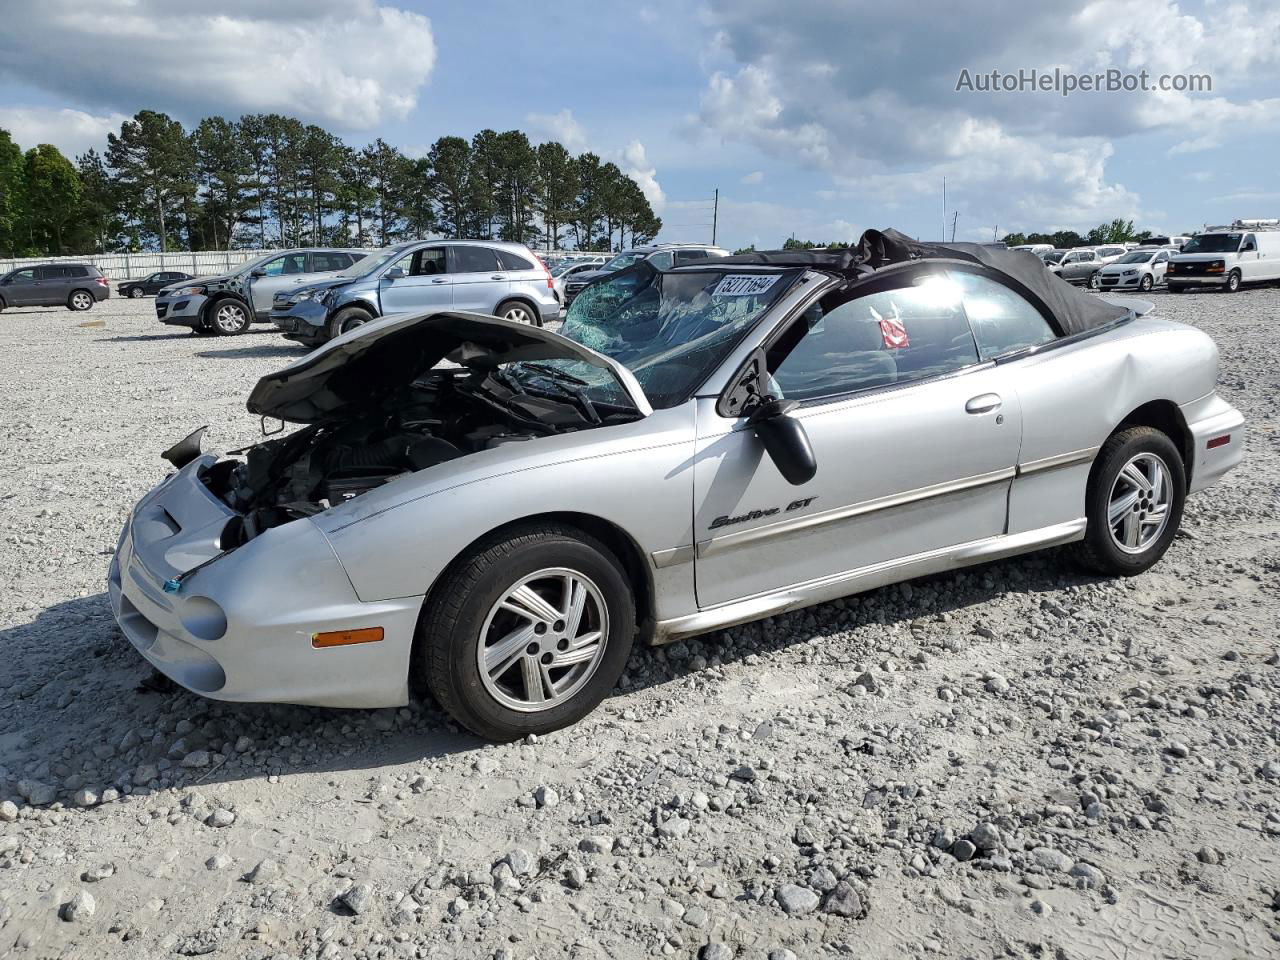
{"x":1073,"y":397}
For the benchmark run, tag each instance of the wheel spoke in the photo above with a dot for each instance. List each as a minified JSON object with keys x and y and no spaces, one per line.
{"x":499,"y":657}
{"x":531,"y":670}
{"x":581,"y":653}
{"x":1157,"y":483}
{"x":1133,"y":473}
{"x":1130,"y":528}
{"x":1121,"y":506}
{"x":1156,"y":516}
{"x":575,"y":600}
{"x":525,"y":602}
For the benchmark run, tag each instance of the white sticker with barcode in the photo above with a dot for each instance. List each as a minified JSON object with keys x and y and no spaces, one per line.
{"x":744,"y":285}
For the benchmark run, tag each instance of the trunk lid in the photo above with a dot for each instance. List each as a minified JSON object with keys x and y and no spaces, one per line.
{"x":372,"y":361}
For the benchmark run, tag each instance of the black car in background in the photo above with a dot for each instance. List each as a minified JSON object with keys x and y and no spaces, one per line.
{"x":76,"y":286}
{"x":150,"y":286}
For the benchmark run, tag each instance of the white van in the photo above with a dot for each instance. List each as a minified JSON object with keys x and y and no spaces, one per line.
{"x":1226,"y":257}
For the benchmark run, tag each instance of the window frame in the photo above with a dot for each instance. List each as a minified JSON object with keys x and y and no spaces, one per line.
{"x":453,"y":255}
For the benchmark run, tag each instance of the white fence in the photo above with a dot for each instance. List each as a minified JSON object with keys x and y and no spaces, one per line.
{"x":202,"y":263}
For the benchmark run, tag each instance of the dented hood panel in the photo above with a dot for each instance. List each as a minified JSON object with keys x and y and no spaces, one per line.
{"x":372,"y":361}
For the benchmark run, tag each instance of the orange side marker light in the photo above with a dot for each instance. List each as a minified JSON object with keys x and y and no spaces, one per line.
{"x":343,"y":638}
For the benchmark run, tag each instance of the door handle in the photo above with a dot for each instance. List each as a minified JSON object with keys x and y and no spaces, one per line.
{"x":497,"y":276}
{"x":440,"y":280}
{"x":983,"y":403}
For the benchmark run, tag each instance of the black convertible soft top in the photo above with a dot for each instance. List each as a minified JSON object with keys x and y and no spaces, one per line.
{"x":1076,"y":311}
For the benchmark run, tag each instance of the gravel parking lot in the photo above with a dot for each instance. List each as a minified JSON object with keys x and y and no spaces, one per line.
{"x":1015,"y":761}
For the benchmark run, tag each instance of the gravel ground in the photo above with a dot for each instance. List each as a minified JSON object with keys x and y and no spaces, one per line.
{"x":1011,"y":761}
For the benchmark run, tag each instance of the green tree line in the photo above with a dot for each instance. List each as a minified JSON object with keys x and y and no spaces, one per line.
{"x":1116,"y":231}
{"x":268,"y":180}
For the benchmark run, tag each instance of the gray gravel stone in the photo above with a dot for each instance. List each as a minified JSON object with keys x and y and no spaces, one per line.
{"x":79,"y":908}
{"x":795,"y":899}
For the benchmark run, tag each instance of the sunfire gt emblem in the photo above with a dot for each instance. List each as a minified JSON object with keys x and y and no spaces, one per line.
{"x":728,"y":521}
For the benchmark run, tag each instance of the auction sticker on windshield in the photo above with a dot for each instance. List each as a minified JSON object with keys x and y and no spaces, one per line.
{"x":744,"y":285}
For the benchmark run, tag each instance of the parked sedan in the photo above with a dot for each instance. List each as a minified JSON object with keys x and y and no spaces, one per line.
{"x":1079,"y":266}
{"x":151,"y":285}
{"x":1139,"y":269}
{"x":492,"y":512}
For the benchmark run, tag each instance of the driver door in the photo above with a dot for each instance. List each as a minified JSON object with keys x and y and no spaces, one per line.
{"x":915,"y":439}
{"x":20,"y":288}
{"x":418,"y":281}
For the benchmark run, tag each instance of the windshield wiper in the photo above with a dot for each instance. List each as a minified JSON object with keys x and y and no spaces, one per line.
{"x":554,"y":373}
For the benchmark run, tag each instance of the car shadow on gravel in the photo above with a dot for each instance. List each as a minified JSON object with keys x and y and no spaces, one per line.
{"x":146,"y":337}
{"x":73,"y":687}
{"x":288,"y":351}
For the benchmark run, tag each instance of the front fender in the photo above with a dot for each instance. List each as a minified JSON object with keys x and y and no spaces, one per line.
{"x":397,"y":540}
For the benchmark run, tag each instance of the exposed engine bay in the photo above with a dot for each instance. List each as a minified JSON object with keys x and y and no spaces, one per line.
{"x":444,"y":415}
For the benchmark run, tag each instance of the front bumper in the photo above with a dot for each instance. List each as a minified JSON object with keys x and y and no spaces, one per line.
{"x":304,"y":322}
{"x":1117,"y":282}
{"x":240,"y":628}
{"x":1197,"y":279}
{"x":182,"y":311}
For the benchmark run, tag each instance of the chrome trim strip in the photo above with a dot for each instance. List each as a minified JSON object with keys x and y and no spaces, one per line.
{"x":864,"y":578}
{"x":1059,"y":460}
{"x":672,"y":556}
{"x":784,"y":527}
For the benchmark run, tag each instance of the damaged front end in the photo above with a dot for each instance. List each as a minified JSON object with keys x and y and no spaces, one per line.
{"x":379,"y":405}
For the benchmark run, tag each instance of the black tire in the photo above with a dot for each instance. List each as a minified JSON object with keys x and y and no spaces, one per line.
{"x":449,"y":635}
{"x":1095,"y":280}
{"x":227,"y":317}
{"x":518,"y":311}
{"x":1177,"y":288}
{"x":80,"y":300}
{"x":346,"y":319}
{"x":1233,"y":281}
{"x":135,"y":293}
{"x":1146,"y":283}
{"x":1100,"y":552}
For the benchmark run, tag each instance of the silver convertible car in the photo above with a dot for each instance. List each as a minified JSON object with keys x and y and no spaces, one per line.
{"x":493,"y":513}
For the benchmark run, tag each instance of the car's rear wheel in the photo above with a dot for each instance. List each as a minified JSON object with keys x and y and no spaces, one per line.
{"x":347,"y":319}
{"x":519,"y":312}
{"x":527,"y":632}
{"x":228,"y":318}
{"x":1233,"y":281}
{"x":1134,"y":503}
{"x":135,"y":293}
{"x":79,"y":300}
{"x":1146,"y":283}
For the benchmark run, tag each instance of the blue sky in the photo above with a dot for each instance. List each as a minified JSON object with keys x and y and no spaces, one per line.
{"x":818,"y":120}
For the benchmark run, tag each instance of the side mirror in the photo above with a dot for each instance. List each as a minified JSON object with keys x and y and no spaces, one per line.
{"x":395,"y":273}
{"x":257,"y":272}
{"x":784,"y":439}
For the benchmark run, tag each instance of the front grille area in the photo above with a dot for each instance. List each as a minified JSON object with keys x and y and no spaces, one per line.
{"x":161,"y":309}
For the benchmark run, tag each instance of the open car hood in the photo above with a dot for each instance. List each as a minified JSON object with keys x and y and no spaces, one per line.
{"x":373,"y":360}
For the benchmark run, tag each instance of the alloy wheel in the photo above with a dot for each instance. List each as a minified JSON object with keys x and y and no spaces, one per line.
{"x":543,"y":639}
{"x":351,"y":324}
{"x":1138,"y":508}
{"x":135,"y":292}
{"x":81,"y":301}
{"x":230,"y":318}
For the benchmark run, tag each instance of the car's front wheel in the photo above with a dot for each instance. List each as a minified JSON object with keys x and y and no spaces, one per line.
{"x":527,"y":632}
{"x":228,"y":318}
{"x":1233,"y":281}
{"x":347,"y":319}
{"x":1095,"y":280}
{"x":1134,"y":502}
{"x":80,"y":300}
{"x":135,"y":293}
{"x":1146,"y":283}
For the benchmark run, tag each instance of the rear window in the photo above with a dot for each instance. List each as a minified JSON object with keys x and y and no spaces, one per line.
{"x":473,"y":259}
{"x":321,"y":262}
{"x":513,"y":261}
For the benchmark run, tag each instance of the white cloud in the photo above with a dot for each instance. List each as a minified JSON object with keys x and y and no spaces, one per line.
{"x":755,"y":176}
{"x":635,"y":164}
{"x":350,"y":64}
{"x":71,"y":131}
{"x":561,"y":127}
{"x":793,"y":87}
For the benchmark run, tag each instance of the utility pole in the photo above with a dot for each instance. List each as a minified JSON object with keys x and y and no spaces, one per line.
{"x":953,"y":226}
{"x":944,"y":209}
{"x":715,"y":216}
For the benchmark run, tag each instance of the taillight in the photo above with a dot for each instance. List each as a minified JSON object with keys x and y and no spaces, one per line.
{"x":551,"y":284}
{"x":102,"y":281}
{"x":1221,"y":441}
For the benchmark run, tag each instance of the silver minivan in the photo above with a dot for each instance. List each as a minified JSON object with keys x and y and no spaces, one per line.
{"x":483,"y":276}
